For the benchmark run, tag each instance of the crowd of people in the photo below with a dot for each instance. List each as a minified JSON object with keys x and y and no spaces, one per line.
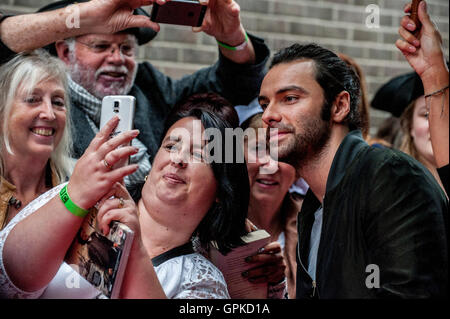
{"x":369,"y":202}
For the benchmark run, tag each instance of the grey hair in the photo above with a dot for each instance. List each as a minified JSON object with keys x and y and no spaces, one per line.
{"x":24,"y":72}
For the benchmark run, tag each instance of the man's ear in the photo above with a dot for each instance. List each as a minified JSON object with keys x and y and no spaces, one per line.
{"x":341,"y":107}
{"x":62,"y":49}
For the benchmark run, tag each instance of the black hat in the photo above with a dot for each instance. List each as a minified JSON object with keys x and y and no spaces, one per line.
{"x":143,"y":35}
{"x":395,"y":96}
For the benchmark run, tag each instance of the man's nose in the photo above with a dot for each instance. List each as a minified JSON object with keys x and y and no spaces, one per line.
{"x":271,"y":115}
{"x":115,"y":56}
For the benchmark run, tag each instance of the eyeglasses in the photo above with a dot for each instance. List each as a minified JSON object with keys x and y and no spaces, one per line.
{"x":127,"y":49}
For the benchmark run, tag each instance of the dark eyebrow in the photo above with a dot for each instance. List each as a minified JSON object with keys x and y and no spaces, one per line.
{"x":285,"y":89}
{"x":261,"y":97}
{"x":292,"y":88}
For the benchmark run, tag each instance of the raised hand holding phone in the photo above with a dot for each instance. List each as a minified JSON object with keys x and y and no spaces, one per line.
{"x":91,"y":178}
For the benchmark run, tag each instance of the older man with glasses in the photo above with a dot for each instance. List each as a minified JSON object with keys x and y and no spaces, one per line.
{"x":101,"y":58}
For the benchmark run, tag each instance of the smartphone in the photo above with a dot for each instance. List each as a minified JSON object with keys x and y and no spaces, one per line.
{"x":123,"y":106}
{"x":180,"y":12}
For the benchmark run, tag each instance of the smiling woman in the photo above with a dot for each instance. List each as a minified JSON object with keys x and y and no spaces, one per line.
{"x":271,"y":207}
{"x":34,"y":140}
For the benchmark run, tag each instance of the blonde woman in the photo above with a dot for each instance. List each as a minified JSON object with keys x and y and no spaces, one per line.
{"x":34,"y":133}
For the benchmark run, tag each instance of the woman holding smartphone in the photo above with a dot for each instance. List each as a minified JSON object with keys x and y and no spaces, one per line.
{"x":33,"y":245}
{"x":181,"y":198}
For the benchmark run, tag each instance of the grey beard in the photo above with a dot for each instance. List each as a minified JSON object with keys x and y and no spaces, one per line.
{"x":87,"y":79}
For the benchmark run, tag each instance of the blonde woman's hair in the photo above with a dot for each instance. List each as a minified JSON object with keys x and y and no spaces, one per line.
{"x":22,"y":74}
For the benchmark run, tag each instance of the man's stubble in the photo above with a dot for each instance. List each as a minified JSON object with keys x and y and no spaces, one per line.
{"x":308,"y":145}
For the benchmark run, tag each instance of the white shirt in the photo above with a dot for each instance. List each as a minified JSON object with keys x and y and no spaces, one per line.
{"x":191,"y":276}
{"x":67,"y":283}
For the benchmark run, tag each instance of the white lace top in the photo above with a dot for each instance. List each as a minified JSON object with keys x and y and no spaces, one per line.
{"x":57,"y":287}
{"x":191,"y":276}
{"x":187,"y":276}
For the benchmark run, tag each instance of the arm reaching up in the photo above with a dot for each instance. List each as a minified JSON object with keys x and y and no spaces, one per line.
{"x":426,"y":56}
{"x":222,"y":21}
{"x":31,"y":31}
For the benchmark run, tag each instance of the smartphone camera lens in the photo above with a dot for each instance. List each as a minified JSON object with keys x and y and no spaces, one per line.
{"x":116,"y":107}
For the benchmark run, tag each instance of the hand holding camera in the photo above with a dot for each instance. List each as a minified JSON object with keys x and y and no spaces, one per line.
{"x":218,"y":18}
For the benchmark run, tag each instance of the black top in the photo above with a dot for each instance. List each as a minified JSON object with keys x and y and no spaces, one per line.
{"x":185,"y":249}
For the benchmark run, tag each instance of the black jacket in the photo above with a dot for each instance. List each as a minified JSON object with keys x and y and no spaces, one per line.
{"x":382,"y":208}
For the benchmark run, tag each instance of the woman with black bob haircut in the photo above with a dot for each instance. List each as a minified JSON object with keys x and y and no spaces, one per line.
{"x":187,"y":196}
{"x":225,"y":220}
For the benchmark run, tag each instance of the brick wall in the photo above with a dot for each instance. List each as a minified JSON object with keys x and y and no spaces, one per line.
{"x":339,"y":25}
